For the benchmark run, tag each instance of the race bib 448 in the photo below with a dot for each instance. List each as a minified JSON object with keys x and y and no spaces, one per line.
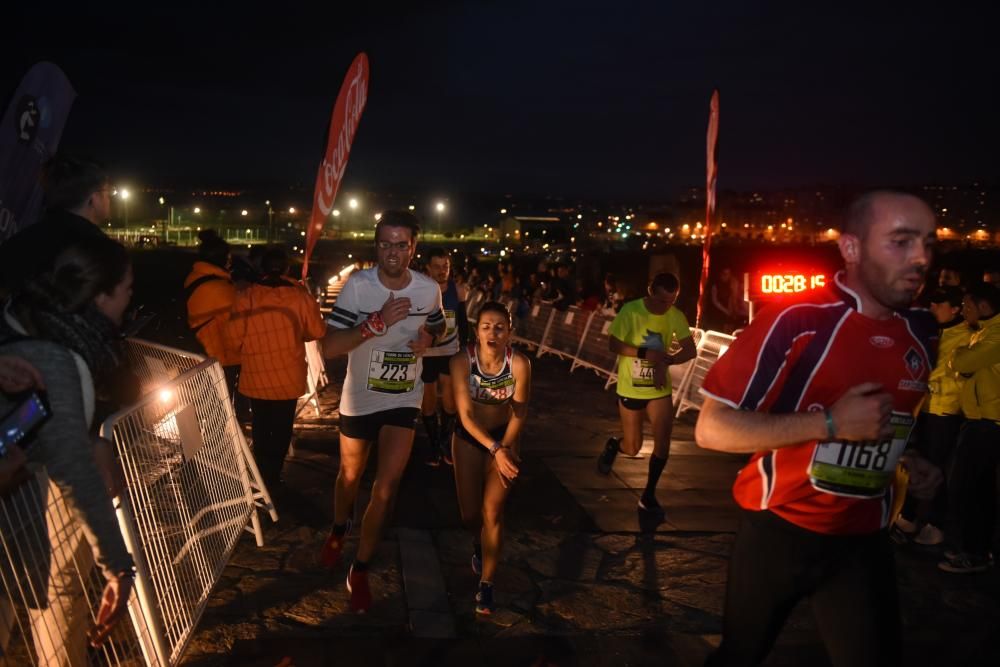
{"x":392,"y":372}
{"x":860,"y":469}
{"x":642,"y":373}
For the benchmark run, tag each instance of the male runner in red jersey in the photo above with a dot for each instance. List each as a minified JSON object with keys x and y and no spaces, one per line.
{"x":822,"y":392}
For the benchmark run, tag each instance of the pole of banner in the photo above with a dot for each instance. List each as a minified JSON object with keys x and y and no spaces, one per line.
{"x":711,"y":173}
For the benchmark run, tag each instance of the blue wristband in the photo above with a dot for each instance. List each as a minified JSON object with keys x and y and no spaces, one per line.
{"x":831,"y":428}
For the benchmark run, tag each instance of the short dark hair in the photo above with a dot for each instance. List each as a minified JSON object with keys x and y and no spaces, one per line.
{"x":496,"y":307}
{"x":860,"y":214}
{"x":953,"y":295}
{"x":398,"y":219}
{"x":438,"y":251}
{"x":985,"y":292}
{"x":68,"y":181}
{"x":665,"y":281}
{"x":275,"y":261}
{"x":212,"y":248}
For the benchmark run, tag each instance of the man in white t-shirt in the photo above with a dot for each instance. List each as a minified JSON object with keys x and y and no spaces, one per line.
{"x":384,"y":320}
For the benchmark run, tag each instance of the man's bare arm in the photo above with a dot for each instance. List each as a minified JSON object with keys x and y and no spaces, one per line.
{"x":862,"y":413}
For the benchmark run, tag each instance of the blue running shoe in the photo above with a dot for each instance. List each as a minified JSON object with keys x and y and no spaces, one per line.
{"x":484,"y":599}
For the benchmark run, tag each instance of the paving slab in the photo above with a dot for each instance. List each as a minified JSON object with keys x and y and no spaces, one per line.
{"x":584,"y":579}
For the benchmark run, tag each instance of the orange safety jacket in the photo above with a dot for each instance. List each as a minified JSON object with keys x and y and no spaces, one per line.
{"x":270,"y":324}
{"x":208,"y":306}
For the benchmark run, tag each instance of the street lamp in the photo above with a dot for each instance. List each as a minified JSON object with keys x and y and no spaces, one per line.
{"x":124,"y":194}
{"x":439,"y":207}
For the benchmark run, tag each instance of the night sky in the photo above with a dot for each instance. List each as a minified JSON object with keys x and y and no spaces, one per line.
{"x":582,"y":99}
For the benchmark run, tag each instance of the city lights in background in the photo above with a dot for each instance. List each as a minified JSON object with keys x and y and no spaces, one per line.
{"x":353,"y":204}
{"x":439,"y":207}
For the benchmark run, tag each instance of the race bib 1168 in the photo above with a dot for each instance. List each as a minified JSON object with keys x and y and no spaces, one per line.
{"x":860,"y":469}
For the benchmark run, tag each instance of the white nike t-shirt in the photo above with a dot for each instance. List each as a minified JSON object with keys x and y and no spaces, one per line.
{"x":382,"y":372}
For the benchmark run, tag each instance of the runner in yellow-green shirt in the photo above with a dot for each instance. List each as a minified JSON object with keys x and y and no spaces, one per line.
{"x":641,"y":335}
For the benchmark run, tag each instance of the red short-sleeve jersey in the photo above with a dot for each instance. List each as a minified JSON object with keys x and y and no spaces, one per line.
{"x":803,"y":356}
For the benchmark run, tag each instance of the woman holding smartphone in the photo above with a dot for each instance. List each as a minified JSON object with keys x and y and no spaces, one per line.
{"x":492,"y":385}
{"x":64,"y":322}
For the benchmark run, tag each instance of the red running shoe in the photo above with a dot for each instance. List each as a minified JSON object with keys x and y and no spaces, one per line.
{"x":357,"y":586}
{"x":329,"y":557}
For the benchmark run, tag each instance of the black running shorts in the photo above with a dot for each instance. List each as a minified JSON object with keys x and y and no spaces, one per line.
{"x":367,"y":427}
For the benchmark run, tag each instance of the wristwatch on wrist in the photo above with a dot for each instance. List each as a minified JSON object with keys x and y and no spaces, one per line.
{"x":497,"y":446}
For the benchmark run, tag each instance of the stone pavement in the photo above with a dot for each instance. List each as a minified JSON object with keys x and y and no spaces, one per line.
{"x":583,"y":580}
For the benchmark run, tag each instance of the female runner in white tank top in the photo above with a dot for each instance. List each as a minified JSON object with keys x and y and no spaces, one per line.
{"x":492,"y":384}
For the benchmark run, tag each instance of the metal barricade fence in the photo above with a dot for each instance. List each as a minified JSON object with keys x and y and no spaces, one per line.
{"x":593,"y":351}
{"x":713,"y":345}
{"x":679,"y":371}
{"x":473,"y":303}
{"x":192,"y":488}
{"x":50,"y":587}
{"x":533,"y":327}
{"x":565,"y":332}
{"x":316,"y":377}
{"x":156,"y":364}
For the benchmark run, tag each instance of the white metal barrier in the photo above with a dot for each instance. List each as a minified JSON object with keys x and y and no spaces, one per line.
{"x":679,"y":371}
{"x":712,"y":346}
{"x":594,"y":352}
{"x":534,"y":326}
{"x":51,"y":588}
{"x":316,"y":377}
{"x":192,"y":488}
{"x":156,"y":364}
{"x":565,"y":331}
{"x":473,"y":303}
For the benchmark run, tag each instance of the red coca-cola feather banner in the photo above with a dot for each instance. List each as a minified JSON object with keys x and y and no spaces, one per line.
{"x":343,"y":126}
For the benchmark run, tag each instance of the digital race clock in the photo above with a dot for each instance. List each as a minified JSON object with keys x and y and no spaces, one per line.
{"x":771,"y":284}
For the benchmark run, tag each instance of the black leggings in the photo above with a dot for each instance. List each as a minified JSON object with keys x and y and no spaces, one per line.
{"x":850,"y":582}
{"x":272,"y":434}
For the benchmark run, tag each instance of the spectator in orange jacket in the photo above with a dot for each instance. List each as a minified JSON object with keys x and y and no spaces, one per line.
{"x":270,"y":324}
{"x":210,"y":292}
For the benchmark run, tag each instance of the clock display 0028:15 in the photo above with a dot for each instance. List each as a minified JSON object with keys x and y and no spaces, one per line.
{"x":789,"y":283}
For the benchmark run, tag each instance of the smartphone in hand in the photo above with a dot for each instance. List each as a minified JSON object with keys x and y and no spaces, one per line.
{"x":19,"y":424}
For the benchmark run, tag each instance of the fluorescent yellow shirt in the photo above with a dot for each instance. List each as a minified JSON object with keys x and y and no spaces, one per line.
{"x":634,"y":325}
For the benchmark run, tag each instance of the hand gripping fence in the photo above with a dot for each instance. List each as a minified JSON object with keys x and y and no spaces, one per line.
{"x":50,"y":586}
{"x":192,"y":488}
